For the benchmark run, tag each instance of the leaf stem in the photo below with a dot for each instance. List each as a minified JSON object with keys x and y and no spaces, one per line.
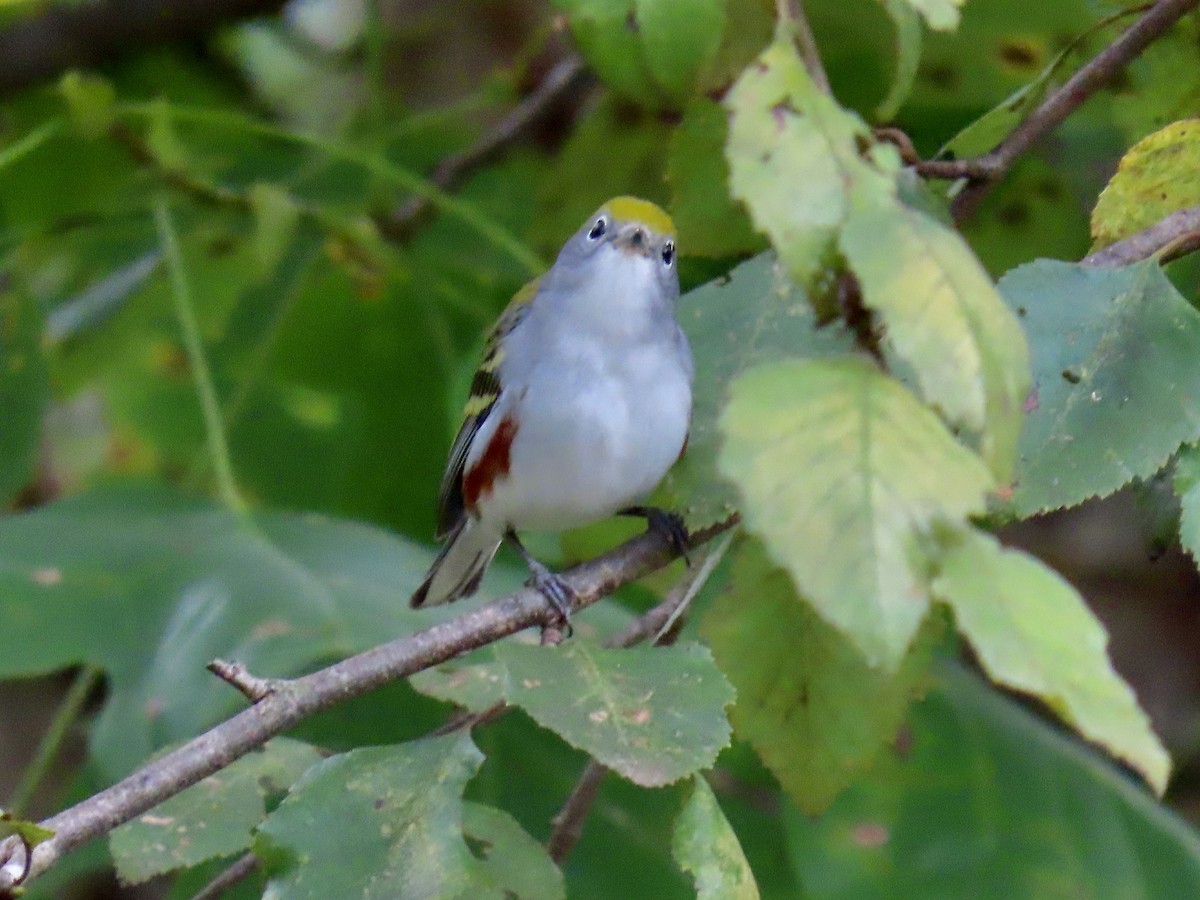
{"x":492,"y":231}
{"x":66,"y":715}
{"x":218,"y":445}
{"x":31,"y":142}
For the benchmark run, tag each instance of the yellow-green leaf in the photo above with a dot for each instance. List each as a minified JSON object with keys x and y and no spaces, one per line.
{"x":945,"y":318}
{"x":1033,"y":632}
{"x":794,"y":157}
{"x":841,"y":472}
{"x":1159,"y":175}
{"x":807,"y":701}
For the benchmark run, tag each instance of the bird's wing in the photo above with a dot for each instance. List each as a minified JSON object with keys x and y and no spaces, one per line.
{"x":485,"y":391}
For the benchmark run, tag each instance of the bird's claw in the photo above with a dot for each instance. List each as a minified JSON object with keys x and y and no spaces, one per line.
{"x":560,"y":594}
{"x":669,"y":524}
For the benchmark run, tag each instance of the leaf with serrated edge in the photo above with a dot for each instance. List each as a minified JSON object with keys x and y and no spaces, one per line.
{"x":1033,"y":632}
{"x":653,"y":714}
{"x":841,"y":472}
{"x":1116,"y":385}
{"x":1159,"y":175}
{"x":210,"y":819}
{"x":808,"y":703}
{"x":1187,"y":488}
{"x":793,"y":156}
{"x":376,"y":823}
{"x":945,"y":318}
{"x":753,"y":315}
{"x":706,"y":847}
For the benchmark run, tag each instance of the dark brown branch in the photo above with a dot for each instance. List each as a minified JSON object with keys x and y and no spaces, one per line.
{"x":84,"y":35}
{"x":983,"y":171}
{"x":239,"y":870}
{"x":564,"y":77}
{"x":1172,"y":236}
{"x":294,"y":700}
{"x":568,"y":823}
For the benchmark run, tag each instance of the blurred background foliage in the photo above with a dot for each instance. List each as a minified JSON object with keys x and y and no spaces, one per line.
{"x":341,"y":297}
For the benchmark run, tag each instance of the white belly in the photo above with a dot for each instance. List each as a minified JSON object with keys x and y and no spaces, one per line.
{"x":591,"y":443}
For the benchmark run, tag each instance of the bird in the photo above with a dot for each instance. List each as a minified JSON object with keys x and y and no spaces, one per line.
{"x":581,"y":404}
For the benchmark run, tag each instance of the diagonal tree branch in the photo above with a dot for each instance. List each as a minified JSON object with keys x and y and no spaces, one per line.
{"x":984,"y":171}
{"x":564,"y":77}
{"x":291,"y":701}
{"x":1171,"y":236}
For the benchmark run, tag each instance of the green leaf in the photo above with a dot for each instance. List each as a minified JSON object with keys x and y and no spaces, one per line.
{"x":753,"y":315}
{"x":378,"y":822}
{"x":1033,"y":632}
{"x":710,"y":223}
{"x":945,"y":319}
{"x":942,"y":15}
{"x":90,"y":101}
{"x":842,"y":472}
{"x":794,"y":157}
{"x":614,"y":49}
{"x":653,"y":714}
{"x":1187,"y":487}
{"x":679,"y":38}
{"x":275,"y":218}
{"x":1116,"y":385}
{"x":24,"y":390}
{"x":31,"y":832}
{"x":1159,"y":175}
{"x":278,"y":591}
{"x":907,"y":25}
{"x":808,"y":703}
{"x":706,"y":847}
{"x":987,"y":800}
{"x":211,"y":819}
{"x":508,"y":860}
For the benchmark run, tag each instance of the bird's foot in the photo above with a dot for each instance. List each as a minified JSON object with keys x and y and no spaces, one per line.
{"x":560,"y":594}
{"x":669,"y":524}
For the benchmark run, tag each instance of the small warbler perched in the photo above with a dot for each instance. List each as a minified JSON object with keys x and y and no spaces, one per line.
{"x":581,"y":404}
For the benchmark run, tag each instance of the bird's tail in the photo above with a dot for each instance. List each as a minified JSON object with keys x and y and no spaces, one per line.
{"x":460,"y":565}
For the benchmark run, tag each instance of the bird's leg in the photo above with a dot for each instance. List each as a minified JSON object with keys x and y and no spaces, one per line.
{"x":668,"y":524}
{"x":558,"y":592}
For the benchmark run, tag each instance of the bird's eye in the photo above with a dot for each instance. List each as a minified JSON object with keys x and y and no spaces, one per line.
{"x":598,"y":229}
{"x":668,"y":252}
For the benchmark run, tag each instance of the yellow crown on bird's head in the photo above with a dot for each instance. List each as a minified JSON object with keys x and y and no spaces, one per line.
{"x":634,"y":209}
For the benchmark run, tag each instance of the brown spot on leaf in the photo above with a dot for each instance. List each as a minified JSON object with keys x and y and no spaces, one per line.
{"x":870,"y":834}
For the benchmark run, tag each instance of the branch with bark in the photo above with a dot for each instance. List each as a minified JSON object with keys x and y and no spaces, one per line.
{"x":982,"y":172}
{"x":289,"y":701}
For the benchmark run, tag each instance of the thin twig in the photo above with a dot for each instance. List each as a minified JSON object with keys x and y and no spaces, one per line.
{"x":559,"y":81}
{"x":251,"y":686}
{"x":985,"y":170}
{"x":659,"y":622}
{"x":214,"y":428}
{"x":242,"y":868}
{"x":296,"y":699}
{"x":1170,"y":237}
{"x":791,"y":12}
{"x":568,"y":823}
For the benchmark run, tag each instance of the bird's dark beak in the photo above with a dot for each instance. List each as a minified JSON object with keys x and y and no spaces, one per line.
{"x":634,"y":239}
